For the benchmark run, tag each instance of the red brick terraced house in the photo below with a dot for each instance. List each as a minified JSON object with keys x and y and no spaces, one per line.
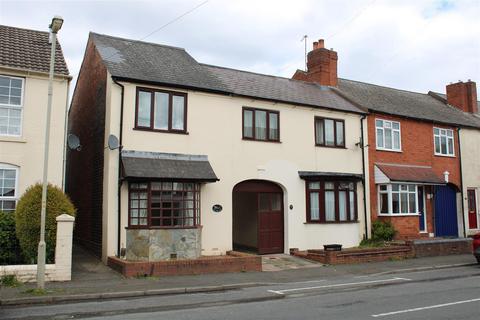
{"x":413,"y":149}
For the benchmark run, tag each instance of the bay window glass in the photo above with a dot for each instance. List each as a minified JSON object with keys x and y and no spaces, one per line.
{"x":397,"y":199}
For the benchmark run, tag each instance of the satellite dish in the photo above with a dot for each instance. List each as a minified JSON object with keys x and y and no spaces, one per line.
{"x":73,"y":142}
{"x":113,"y":142}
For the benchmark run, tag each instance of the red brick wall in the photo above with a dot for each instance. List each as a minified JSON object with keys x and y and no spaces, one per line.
{"x":85,"y":168}
{"x":417,"y":149}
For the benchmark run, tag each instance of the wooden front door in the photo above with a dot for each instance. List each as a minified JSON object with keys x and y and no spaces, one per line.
{"x":270,"y":222}
{"x":472,"y":210}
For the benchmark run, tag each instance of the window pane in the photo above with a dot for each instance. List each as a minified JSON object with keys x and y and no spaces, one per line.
{"x":443,"y":144}
{"x":329,"y":205}
{"x":161,"y":111}
{"x":379,"y":123}
{"x":396,"y":140}
{"x":260,"y":125}
{"x":144,"y":103}
{"x":329,"y":132}
{"x":342,"y":205}
{"x":384,"y":203}
{"x":273,"y":122}
{"x":314,"y":206}
{"x":383,"y":187}
{"x":380,"y":143}
{"x":404,"y":202}
{"x":314,"y":185}
{"x":437,"y":145}
{"x":248,"y":123}
{"x":178,"y":113}
{"x":263,"y":202}
{"x":412,"y":203}
{"x":395,"y":187}
{"x":329,"y":185}
{"x":395,"y":203}
{"x":340,"y":141}
{"x":450,"y":146}
{"x":449,"y":133}
{"x":276,"y":202}
{"x":352,"y":205}
{"x":388,"y":138}
{"x":396,"y":125}
{"x":436,"y":131}
{"x":319,"y":131}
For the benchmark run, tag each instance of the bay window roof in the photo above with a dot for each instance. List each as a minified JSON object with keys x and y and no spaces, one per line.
{"x":387,"y":173}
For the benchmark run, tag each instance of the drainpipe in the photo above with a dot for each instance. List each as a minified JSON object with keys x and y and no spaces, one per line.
{"x":362,"y":145}
{"x":461,"y":184}
{"x":119,"y":198}
{"x":65,"y":133}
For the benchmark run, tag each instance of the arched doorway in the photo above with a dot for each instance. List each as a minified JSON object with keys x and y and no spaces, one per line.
{"x":258,"y":217}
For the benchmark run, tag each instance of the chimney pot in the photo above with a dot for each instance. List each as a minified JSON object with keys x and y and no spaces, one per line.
{"x":315,"y":45}
{"x":321,"y":43}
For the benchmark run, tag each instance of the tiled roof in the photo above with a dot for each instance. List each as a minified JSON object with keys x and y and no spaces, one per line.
{"x":29,"y":50}
{"x":405,"y":103}
{"x":404,"y":173}
{"x":143,"y":61}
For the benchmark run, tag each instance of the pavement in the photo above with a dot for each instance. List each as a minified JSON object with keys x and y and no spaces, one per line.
{"x":91,"y":280}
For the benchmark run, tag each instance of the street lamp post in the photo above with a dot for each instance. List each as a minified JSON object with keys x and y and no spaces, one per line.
{"x":54,"y":28}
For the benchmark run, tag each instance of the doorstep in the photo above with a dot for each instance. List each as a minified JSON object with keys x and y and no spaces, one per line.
{"x":231,"y":262}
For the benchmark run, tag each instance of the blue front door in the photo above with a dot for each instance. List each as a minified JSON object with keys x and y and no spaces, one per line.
{"x":445,"y":212}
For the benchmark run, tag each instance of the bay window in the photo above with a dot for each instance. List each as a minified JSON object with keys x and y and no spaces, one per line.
{"x":388,"y":135}
{"x":259,"y":124}
{"x":443,"y":140}
{"x":329,"y":132}
{"x":164,"y":204}
{"x":331,"y":201}
{"x":11,"y":105}
{"x":397,"y":199}
{"x":160,"y":110}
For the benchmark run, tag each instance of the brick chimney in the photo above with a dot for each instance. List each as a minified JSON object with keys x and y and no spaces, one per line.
{"x":463,"y":95}
{"x":321,"y":66}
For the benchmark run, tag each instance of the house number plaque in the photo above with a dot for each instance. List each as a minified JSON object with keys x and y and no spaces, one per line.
{"x":217,"y":208}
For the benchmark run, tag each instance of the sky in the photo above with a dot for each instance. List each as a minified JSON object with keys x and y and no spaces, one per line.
{"x":416,"y":45}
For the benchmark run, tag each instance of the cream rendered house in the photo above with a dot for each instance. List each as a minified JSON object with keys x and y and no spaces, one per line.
{"x":210,"y":159}
{"x":24,"y":66}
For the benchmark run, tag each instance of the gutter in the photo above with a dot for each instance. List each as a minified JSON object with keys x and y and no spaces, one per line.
{"x":65,"y":133}
{"x":362,"y":145}
{"x":461,"y":183}
{"x":119,"y":189}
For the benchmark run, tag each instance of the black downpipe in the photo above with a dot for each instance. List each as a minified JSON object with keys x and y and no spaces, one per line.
{"x":461,"y":184}
{"x":119,"y":204}
{"x":362,"y":145}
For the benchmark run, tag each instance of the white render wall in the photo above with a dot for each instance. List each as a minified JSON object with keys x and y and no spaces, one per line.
{"x":470,"y":148}
{"x":214,"y":128}
{"x":26,"y":151}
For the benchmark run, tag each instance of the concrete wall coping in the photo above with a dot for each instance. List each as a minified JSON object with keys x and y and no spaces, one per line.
{"x":433,"y":241}
{"x":65,"y":218}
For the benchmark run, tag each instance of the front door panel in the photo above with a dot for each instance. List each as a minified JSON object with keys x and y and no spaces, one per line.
{"x":270,"y":223}
{"x":472,"y":210}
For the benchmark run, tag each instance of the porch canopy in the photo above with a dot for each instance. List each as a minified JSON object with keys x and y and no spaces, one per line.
{"x":166,"y":166}
{"x":387,"y":173}
{"x":310,"y":175}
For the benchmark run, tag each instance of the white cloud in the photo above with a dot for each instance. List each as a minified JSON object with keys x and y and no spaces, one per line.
{"x":415,"y":45}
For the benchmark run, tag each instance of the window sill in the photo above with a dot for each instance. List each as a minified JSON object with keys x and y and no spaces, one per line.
{"x":331,"y":147}
{"x":444,"y":155}
{"x":398,"y":214}
{"x":161,"y":228}
{"x":331,"y":222}
{"x":389,"y":150}
{"x":258,"y":140}
{"x":17,"y":139}
{"x":162,"y":131}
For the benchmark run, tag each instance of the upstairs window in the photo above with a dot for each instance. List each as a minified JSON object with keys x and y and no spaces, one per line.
{"x":329,"y":132}
{"x":161,"y":111}
{"x":262,"y":125}
{"x":8,"y":188}
{"x":443,"y":139}
{"x":11,"y":105}
{"x":388,"y":135}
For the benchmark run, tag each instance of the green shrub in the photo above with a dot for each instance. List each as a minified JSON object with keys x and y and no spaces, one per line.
{"x":9,"y":246}
{"x":27,"y":220}
{"x":10,"y":281}
{"x":383,"y":231}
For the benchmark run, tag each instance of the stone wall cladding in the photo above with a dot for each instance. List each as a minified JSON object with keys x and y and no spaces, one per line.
{"x":417,"y":149}
{"x":161,"y":244}
{"x":232,"y":262}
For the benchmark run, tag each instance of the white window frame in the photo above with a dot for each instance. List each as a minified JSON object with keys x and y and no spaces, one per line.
{"x":390,"y":199}
{"x":14,"y":106}
{"x":6,"y":166}
{"x":399,"y":130}
{"x":450,"y":153}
